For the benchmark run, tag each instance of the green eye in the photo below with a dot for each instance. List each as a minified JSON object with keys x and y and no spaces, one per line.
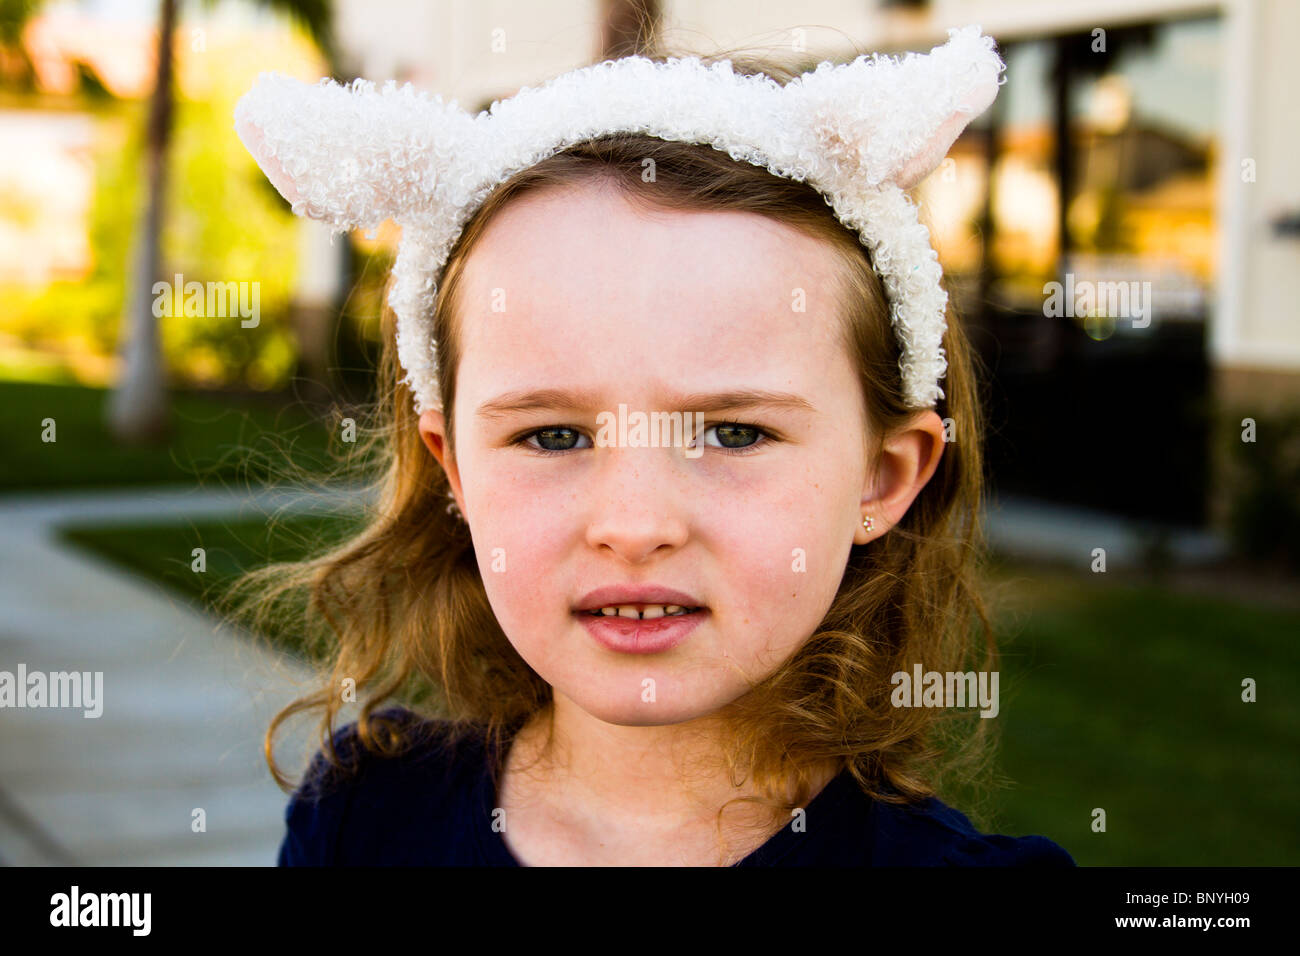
{"x":556,"y":439}
{"x":735,"y":435}
{"x":731,"y":437}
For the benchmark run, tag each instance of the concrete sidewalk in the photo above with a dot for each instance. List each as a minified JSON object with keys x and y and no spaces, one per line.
{"x":186,"y":701}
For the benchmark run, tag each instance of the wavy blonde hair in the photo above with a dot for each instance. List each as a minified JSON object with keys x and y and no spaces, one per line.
{"x":401,"y":608}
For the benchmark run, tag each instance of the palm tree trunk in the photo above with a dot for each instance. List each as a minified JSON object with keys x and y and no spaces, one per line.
{"x":138,"y":407}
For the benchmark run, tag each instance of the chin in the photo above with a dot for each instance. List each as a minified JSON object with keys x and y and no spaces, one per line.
{"x":630,"y":711}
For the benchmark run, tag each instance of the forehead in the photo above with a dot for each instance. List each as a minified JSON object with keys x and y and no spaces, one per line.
{"x":589,"y":241}
{"x":580,"y":276}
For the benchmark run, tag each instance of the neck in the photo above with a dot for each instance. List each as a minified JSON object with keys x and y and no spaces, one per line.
{"x":598,"y":779}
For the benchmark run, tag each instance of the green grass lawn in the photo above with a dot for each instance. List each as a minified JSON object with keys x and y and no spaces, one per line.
{"x":1114,"y":695}
{"x":1127,"y":697}
{"x":214,"y":438}
{"x":164,"y":553}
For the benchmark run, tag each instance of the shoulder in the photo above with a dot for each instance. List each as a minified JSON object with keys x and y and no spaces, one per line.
{"x":369,"y":808}
{"x":931,"y":833}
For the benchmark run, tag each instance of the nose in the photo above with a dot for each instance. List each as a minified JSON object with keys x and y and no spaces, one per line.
{"x":636,"y":505}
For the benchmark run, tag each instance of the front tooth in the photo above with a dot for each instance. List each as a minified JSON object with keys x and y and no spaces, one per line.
{"x":652,"y":611}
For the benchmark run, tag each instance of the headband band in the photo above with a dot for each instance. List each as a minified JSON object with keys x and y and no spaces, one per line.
{"x":860,"y":133}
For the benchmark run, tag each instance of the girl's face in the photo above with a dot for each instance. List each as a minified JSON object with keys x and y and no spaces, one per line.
{"x":574,"y":303}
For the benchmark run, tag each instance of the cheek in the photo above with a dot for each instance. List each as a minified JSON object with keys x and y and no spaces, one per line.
{"x":781,"y":544}
{"x":524,"y":528}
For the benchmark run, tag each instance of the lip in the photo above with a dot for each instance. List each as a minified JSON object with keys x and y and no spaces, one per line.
{"x":629,"y":636}
{"x":620,"y":594}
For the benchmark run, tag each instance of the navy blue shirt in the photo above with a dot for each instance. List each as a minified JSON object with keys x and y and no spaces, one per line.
{"x":433,"y":806}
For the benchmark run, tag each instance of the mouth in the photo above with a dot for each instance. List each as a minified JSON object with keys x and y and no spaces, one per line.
{"x":642,"y":601}
{"x":642,"y":612}
{"x":641,"y":628}
{"x":640,"y":620}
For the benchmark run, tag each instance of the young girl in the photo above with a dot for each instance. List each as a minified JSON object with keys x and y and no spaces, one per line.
{"x":673,"y":506}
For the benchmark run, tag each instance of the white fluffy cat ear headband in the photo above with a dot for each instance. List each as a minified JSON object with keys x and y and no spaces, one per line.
{"x":860,"y":133}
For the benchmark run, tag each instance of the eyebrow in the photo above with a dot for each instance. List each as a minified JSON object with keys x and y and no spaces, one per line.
{"x":525,"y":400}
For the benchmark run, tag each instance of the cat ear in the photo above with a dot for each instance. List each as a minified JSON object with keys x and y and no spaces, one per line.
{"x":352,"y":155}
{"x":885,"y":120}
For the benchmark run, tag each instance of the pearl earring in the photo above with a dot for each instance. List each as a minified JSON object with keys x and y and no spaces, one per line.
{"x":868,"y":523}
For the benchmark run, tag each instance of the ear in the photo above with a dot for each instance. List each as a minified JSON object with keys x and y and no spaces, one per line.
{"x":352,"y":155}
{"x":885,"y":120}
{"x":907,"y":463}
{"x":433,"y":432}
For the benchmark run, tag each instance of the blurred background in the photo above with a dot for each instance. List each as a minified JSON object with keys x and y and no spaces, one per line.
{"x":1144,"y":498}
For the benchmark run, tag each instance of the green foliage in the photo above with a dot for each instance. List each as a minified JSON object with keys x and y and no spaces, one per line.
{"x":85,"y":314}
{"x":222,"y":224}
{"x":223,"y":227}
{"x":14,"y":15}
{"x":316,"y":17}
